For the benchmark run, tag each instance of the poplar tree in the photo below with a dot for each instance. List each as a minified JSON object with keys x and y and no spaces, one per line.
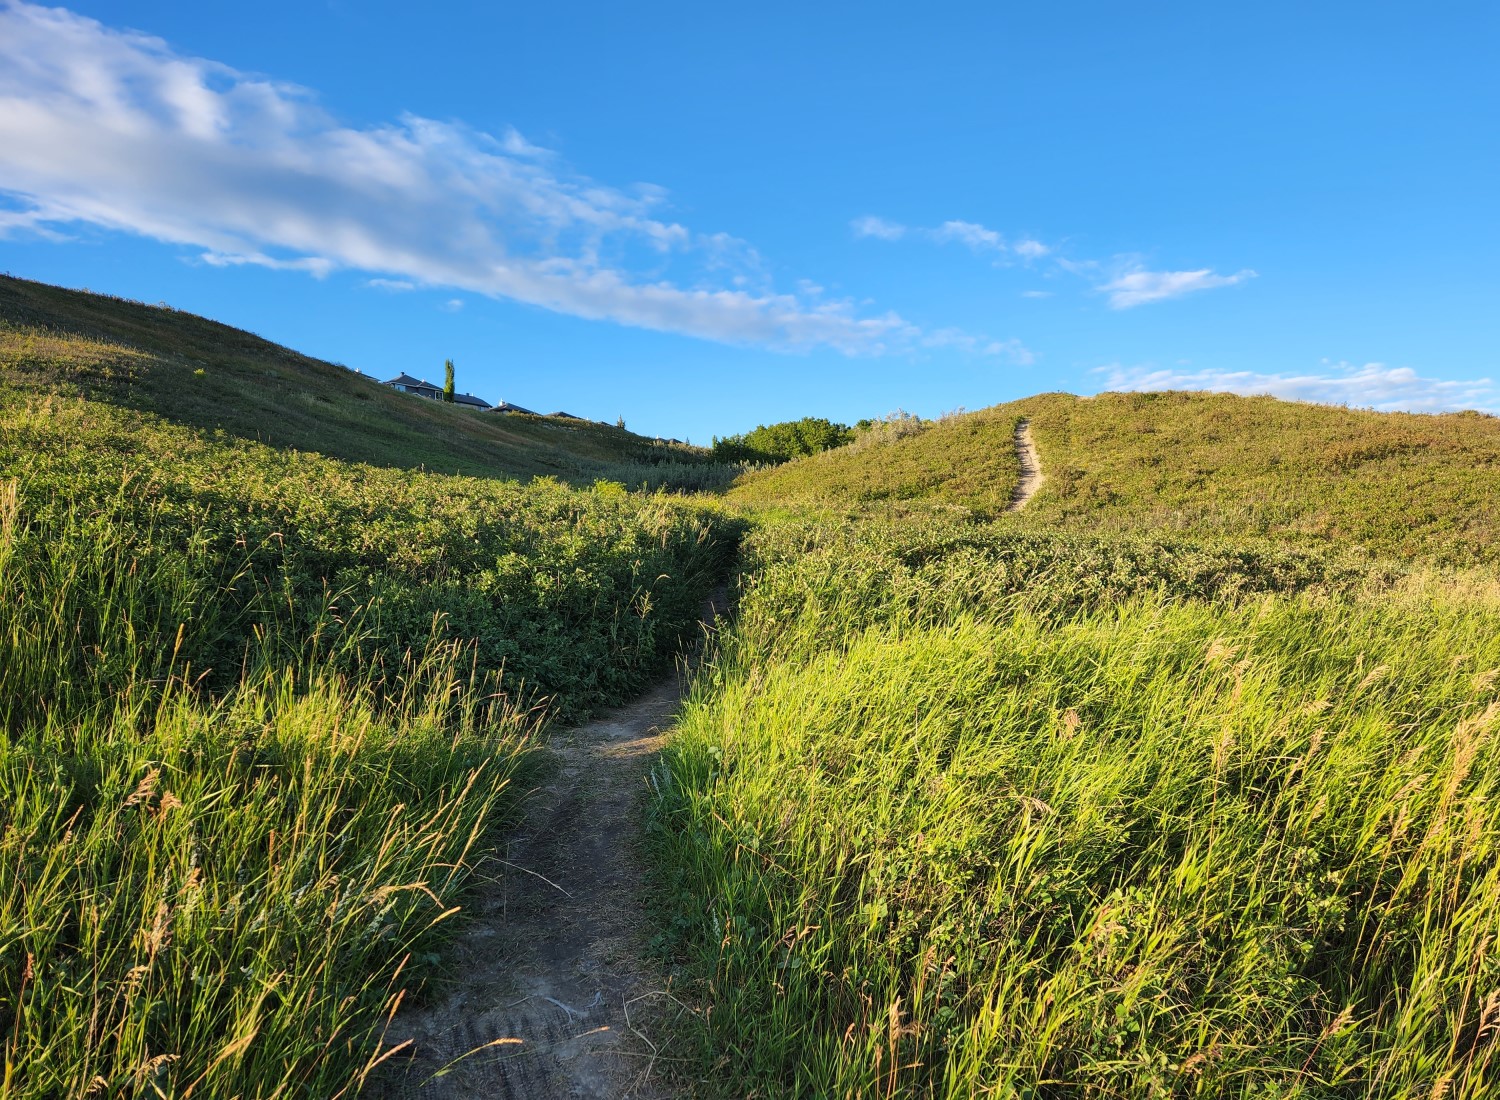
{"x":448,"y":380}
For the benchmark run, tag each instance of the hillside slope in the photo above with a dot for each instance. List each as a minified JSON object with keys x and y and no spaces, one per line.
{"x":1189,"y":464}
{"x":205,"y":375}
{"x":1217,"y":465}
{"x":967,"y":460}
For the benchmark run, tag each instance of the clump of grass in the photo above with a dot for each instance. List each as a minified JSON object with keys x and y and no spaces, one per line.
{"x":217,"y":894}
{"x":1138,"y":847}
{"x":578,"y":595}
{"x":671,"y":475}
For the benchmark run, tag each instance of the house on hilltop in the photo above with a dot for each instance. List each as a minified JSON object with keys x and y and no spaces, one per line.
{"x":407,"y":384}
{"x":507,"y":407}
{"x":422,"y":388}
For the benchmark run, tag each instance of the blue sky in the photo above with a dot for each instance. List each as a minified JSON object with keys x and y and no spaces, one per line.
{"x":701,"y":217}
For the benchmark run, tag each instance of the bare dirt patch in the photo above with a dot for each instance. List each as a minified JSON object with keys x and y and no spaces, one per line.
{"x":553,"y":995}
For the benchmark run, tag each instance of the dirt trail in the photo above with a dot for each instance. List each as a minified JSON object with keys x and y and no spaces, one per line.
{"x":553,"y":952}
{"x":1031,"y":467}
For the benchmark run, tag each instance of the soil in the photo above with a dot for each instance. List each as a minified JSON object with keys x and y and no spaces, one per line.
{"x":1031,"y":467}
{"x":553,"y":995}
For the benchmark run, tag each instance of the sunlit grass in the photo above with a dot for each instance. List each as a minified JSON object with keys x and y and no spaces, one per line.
{"x":1139,"y":846}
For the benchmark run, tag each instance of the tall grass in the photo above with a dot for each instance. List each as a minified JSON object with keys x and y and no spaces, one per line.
{"x":261,"y":715}
{"x":1138,"y":847}
{"x":215,"y":895}
{"x":580,"y":596}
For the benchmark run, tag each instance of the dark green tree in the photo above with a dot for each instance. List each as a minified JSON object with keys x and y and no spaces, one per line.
{"x":781,"y":442}
{"x":448,"y":380}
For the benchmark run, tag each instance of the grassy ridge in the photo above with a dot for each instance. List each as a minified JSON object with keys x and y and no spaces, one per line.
{"x":1213,"y":464}
{"x":1203,"y":466}
{"x":205,"y":375}
{"x":965,"y":460}
{"x":260,"y":715}
{"x":1060,"y":845}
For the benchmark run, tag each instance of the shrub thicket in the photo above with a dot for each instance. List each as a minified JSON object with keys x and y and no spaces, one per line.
{"x":782,"y":442}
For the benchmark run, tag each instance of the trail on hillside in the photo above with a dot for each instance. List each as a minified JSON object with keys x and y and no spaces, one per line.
{"x":553,"y":996}
{"x":1031,"y":467}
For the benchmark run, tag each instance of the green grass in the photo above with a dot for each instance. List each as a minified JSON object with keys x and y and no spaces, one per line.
{"x":217,"y":893}
{"x":205,"y":375}
{"x":1080,"y":845}
{"x":261,"y":716}
{"x":578,"y":595}
{"x":965,"y":461}
{"x":1183,"y":782}
{"x":1203,"y":464}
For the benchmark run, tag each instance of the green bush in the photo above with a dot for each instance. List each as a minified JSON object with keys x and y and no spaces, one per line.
{"x":782,"y":442}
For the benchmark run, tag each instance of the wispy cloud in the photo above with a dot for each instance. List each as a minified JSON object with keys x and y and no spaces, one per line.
{"x":972,"y":234}
{"x":1371,"y":385}
{"x":1010,"y":351}
{"x":1124,"y":278}
{"x":879,"y":228}
{"x":1137,"y":287}
{"x":114,"y":129}
{"x":395,"y":286}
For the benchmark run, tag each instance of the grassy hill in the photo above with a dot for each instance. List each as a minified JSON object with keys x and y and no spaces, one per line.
{"x":1165,"y":787}
{"x":1217,"y":465}
{"x":264,"y":710}
{"x":967,"y":460}
{"x":1161,"y":788}
{"x":201,"y":374}
{"x":1189,"y":464}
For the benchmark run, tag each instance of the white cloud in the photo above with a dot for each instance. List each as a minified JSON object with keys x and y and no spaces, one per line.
{"x":114,"y":129}
{"x":317,"y":266}
{"x":972,"y":234}
{"x":1012,"y":351}
{"x":1138,"y":286}
{"x":452,"y":305}
{"x":393,"y":285}
{"x":879,"y":228}
{"x":1372,"y":385}
{"x":15,"y":223}
{"x":1123,"y":278}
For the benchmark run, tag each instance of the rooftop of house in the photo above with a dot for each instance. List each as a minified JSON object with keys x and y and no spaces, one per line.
{"x":405,"y":379}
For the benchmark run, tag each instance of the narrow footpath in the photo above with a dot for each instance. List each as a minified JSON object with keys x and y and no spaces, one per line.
{"x":553,"y":996}
{"x":1031,"y":467}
